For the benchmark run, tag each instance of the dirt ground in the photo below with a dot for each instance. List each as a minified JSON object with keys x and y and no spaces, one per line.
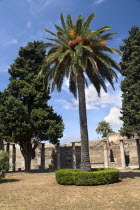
{"x":39,"y":191}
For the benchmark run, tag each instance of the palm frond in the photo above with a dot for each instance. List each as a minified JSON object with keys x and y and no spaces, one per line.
{"x":58,"y":28}
{"x":55,"y":40}
{"x":93,"y":79}
{"x":108,"y":49}
{"x":88,"y":48}
{"x":50,"y":32}
{"x":109,"y":60}
{"x":88,"y":21}
{"x":107,"y":36}
{"x":69,"y":21}
{"x":72,"y":84}
{"x":83,"y":63}
{"x":63,"y":22}
{"x":50,"y":45}
{"x":78,"y":25}
{"x":103,"y":29}
{"x":94,"y":64}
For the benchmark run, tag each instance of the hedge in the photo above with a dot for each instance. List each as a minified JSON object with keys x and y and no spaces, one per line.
{"x":4,"y":163}
{"x":95,"y":177}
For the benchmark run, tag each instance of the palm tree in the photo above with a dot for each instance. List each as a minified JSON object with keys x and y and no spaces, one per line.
{"x":77,"y":51}
{"x":104,"y":128}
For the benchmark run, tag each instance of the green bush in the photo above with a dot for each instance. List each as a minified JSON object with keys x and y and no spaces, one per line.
{"x":95,"y":177}
{"x":4,"y":163}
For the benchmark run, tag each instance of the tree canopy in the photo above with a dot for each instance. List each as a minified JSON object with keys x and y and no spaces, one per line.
{"x":130,"y":86}
{"x":25,"y":117}
{"x":104,"y":128}
{"x":81,"y":55}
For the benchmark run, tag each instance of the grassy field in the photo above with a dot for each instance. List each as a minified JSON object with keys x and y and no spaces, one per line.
{"x":39,"y":191}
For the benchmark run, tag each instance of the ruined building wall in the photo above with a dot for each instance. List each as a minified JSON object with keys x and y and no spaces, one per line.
{"x":46,"y":155}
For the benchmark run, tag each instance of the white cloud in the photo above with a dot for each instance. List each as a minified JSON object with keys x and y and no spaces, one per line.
{"x":93,"y":101}
{"x":37,"y":6}
{"x":98,"y":1}
{"x":114,"y":118}
{"x":8,"y":42}
{"x":3,"y":70}
{"x":66,"y":85}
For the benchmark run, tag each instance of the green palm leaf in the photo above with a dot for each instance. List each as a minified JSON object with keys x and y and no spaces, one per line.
{"x":88,"y":22}
{"x":103,"y":29}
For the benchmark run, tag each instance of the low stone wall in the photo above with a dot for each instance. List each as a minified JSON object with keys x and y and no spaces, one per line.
{"x":114,"y":152}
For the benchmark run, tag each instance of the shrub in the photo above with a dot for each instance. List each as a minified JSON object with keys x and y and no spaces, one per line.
{"x":4,"y":163}
{"x":95,"y":177}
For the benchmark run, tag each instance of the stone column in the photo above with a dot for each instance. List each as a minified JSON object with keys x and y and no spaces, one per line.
{"x":13,"y":157}
{"x":122,"y":155}
{"x":138,"y":150}
{"x":39,"y":156}
{"x":7,"y":147}
{"x":1,"y":145}
{"x":106,"y":161}
{"x":73,"y":155}
{"x":43,"y":157}
{"x":7,"y":150}
{"x":58,"y":156}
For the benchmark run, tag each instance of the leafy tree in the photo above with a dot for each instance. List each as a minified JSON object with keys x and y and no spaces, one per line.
{"x":76,"y":51}
{"x":104,"y":128}
{"x":130,"y":86}
{"x":25,"y":117}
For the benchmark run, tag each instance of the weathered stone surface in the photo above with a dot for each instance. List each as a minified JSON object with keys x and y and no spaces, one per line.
{"x":96,"y":149}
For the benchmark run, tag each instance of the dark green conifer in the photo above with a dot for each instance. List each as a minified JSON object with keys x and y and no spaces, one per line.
{"x":25,"y":117}
{"x":130,"y":86}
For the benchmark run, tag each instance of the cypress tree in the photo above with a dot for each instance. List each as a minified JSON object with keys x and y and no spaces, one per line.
{"x":130,"y":86}
{"x":25,"y":117}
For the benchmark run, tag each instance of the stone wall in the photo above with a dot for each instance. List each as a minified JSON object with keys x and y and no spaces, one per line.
{"x":107,"y":152}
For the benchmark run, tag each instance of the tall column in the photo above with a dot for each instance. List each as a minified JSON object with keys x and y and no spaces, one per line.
{"x":73,"y":155}
{"x":1,"y":145}
{"x":7,"y":147}
{"x":7,"y":150}
{"x":39,"y":156}
{"x":106,"y":161}
{"x":58,"y":156}
{"x":43,"y":157}
{"x":138,"y":150}
{"x":122,"y":155}
{"x":13,"y":157}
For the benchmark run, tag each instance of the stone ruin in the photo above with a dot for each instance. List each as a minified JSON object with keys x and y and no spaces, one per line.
{"x":114,"y":151}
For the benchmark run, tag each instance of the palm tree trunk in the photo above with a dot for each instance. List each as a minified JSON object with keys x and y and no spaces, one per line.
{"x":85,"y":160}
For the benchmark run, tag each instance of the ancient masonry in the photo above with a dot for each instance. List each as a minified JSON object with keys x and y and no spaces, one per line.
{"x":114,"y":151}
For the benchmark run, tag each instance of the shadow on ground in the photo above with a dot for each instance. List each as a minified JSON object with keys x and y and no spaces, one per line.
{"x":34,"y":171}
{"x":129,"y":174}
{"x":9,"y":180}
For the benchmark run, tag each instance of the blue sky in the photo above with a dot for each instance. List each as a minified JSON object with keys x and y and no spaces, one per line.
{"x":23,"y":21}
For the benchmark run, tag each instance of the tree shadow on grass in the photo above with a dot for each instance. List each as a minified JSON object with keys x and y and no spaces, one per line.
{"x":35,"y":171}
{"x":42,"y":171}
{"x":129,"y":174}
{"x":9,"y":180}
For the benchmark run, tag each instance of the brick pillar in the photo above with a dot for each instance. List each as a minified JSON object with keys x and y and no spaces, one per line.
{"x":13,"y":157}
{"x":122,"y":155}
{"x":43,"y":157}
{"x":73,"y":155}
{"x":58,"y":156}
{"x":106,"y":161}
{"x":138,"y":150}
